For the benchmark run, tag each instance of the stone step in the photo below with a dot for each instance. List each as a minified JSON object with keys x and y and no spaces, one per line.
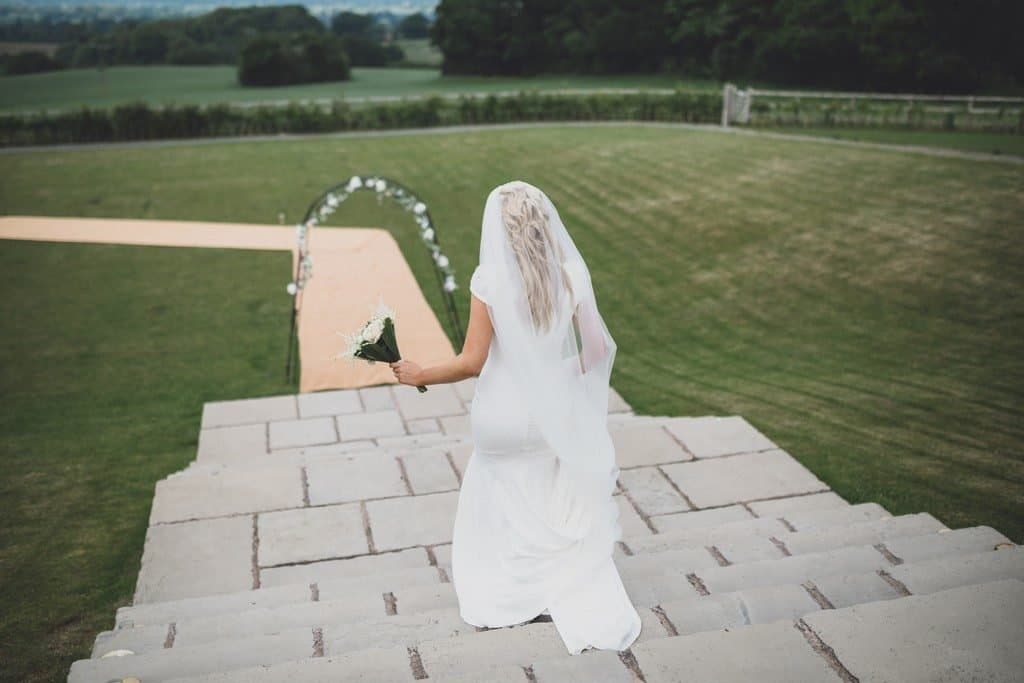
{"x":368,"y":575}
{"x":497,"y":654}
{"x":464,"y":649}
{"x":848,"y":560}
{"x":337,"y":609}
{"x":756,"y":548}
{"x":763,"y":526}
{"x":969,"y":632}
{"x":697,"y":556}
{"x":687,"y":559}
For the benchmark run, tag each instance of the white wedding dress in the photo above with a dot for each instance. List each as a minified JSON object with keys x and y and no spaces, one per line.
{"x":509,"y":562}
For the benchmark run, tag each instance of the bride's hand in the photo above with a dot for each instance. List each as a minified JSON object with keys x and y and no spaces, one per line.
{"x":407,"y":372}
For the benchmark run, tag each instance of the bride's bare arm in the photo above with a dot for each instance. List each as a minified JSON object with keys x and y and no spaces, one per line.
{"x":468,"y":363}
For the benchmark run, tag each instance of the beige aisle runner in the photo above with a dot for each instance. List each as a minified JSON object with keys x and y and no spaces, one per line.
{"x":352,"y":269}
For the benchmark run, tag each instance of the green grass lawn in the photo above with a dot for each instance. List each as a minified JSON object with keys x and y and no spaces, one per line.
{"x":211,"y":84}
{"x":965,"y":141}
{"x":862,"y":308}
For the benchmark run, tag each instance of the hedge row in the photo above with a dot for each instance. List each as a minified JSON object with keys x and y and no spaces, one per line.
{"x":140,"y":121}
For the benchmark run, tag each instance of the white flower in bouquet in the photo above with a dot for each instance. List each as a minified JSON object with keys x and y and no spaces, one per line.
{"x":373,"y":329}
{"x":420,"y":207}
{"x":353,"y":343}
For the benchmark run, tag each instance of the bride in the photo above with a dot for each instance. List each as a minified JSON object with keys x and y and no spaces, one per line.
{"x":536,"y":522}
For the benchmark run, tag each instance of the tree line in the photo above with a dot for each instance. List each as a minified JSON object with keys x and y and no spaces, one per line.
{"x":271,"y":45}
{"x":884,"y":45}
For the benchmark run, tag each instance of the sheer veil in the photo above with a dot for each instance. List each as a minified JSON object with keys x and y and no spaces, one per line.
{"x":562,"y":370}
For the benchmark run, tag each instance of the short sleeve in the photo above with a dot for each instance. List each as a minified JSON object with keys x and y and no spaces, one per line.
{"x":577,"y":276}
{"x":479,"y":284}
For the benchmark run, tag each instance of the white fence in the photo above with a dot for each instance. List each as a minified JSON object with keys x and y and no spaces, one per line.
{"x":801,"y":108}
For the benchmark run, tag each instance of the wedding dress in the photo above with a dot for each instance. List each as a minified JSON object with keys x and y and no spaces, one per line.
{"x":536,"y":523}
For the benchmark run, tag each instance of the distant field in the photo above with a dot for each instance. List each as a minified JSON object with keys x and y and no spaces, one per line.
{"x":990,"y":143}
{"x":10,"y":48}
{"x":211,"y":84}
{"x":421,"y":52}
{"x":861,"y":307}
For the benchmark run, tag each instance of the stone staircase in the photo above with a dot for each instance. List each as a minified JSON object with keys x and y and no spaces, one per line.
{"x":310,"y":540}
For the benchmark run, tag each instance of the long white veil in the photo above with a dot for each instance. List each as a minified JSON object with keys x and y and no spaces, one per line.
{"x":563,"y":372}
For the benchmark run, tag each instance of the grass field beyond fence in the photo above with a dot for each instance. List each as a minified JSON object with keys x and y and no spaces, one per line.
{"x":862,"y":308}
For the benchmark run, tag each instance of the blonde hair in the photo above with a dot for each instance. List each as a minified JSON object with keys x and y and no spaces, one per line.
{"x":528,"y":228}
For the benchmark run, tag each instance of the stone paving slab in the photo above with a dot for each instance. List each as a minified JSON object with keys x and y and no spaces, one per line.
{"x":700,"y":518}
{"x":645,"y":444}
{"x":429,"y":472}
{"x":232,"y":442}
{"x":795,"y":569}
{"x":466,"y":389}
{"x":456,"y":424}
{"x":329,"y":403}
{"x":749,"y":550}
{"x":769,"y":652}
{"x":296,"y":455}
{"x":728,"y":610}
{"x":968,"y":633}
{"x":248,"y":411}
{"x":704,"y":536}
{"x":502,"y":673}
{"x":711,"y":437}
{"x":783,"y":506}
{"x":854,"y":589}
{"x":190,"y":559}
{"x":629,"y":519}
{"x":328,"y":570}
{"x":373,"y":665}
{"x":515,"y":645}
{"x":307,"y":534}
{"x":861,"y":533}
{"x":590,"y":666}
{"x":163,"y":613}
{"x":652,"y":491}
{"x":330,"y":616}
{"x":295,"y":433}
{"x":460,"y":456}
{"x":617,"y":404}
{"x":810,"y":520}
{"x":943,"y":573}
{"x":167,"y":663}
{"x":955,"y":542}
{"x":357,"y":478}
{"x":219,"y":493}
{"x":370,"y":425}
{"x":377,"y":398}
{"x":393,"y":630}
{"x":413,"y":520}
{"x":438,"y":401}
{"x":443,"y":554}
{"x":734,"y":479}
{"x":426,"y":425}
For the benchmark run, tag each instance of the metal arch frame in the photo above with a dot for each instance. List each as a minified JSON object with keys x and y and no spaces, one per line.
{"x":327,"y":203}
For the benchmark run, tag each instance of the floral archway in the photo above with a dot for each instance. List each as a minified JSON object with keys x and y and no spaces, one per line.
{"x":327,"y":203}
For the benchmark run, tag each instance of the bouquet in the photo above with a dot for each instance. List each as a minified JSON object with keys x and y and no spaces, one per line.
{"x":375,"y":341}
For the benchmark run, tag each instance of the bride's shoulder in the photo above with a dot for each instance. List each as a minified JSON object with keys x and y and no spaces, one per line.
{"x":480,"y":281}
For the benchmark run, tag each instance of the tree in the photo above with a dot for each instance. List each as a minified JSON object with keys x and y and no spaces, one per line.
{"x":351,"y":24}
{"x":414,"y":26}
